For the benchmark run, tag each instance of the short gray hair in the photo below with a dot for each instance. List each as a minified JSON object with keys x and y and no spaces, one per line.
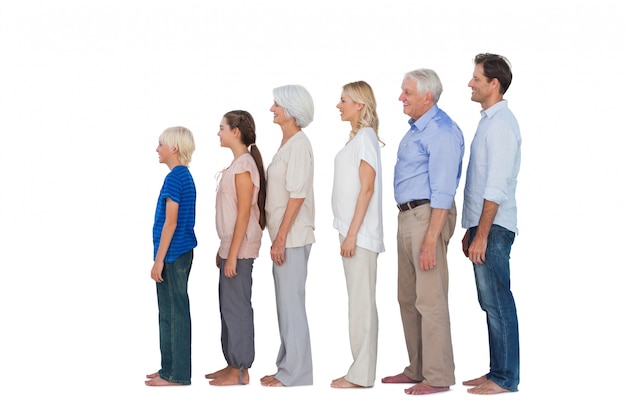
{"x":427,"y":81}
{"x":297,"y":102}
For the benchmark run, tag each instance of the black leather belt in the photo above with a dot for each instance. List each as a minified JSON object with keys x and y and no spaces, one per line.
{"x":412,"y":204}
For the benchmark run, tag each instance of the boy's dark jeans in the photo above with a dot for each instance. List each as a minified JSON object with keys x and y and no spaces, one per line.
{"x":175,"y":321}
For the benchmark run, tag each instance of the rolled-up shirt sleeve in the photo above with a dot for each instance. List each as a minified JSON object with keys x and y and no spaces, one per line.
{"x":445,"y":166}
{"x":502,"y":149}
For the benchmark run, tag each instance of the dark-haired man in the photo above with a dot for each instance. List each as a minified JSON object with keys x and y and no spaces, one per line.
{"x":490,"y":217}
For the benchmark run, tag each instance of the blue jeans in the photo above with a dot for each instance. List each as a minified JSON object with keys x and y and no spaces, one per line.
{"x":175,"y":321}
{"x":496,"y":299}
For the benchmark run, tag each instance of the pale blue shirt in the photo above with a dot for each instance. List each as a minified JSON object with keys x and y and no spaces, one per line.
{"x":494,"y":163}
{"x":430,"y":159}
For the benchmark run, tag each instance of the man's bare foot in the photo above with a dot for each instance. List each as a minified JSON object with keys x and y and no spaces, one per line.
{"x":344,"y":383}
{"x":217,"y":374}
{"x":398,"y":379}
{"x":476,"y":381}
{"x":271,"y":381}
{"x":160,"y":382}
{"x":153,"y":375}
{"x":232,"y":377}
{"x":486,"y":388}
{"x":424,"y":389}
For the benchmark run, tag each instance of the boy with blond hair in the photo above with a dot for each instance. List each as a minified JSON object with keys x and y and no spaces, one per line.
{"x":174,"y":240}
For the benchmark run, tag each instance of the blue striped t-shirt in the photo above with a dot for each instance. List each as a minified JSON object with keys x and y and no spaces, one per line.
{"x":178,"y":186}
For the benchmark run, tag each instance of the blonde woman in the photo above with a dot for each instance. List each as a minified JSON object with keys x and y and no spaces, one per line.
{"x":357,"y":211}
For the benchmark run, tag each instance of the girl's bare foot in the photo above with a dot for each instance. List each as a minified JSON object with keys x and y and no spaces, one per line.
{"x":151,"y":376}
{"x":476,"y":381}
{"x":218,"y":374}
{"x":344,"y":383}
{"x":486,"y":388}
{"x":160,"y":382}
{"x":233,"y":376}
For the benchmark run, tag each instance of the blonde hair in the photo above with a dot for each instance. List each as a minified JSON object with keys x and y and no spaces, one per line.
{"x":180,"y":138}
{"x":360,"y":92}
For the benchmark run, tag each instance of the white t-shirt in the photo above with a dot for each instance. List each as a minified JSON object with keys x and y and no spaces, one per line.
{"x":347,"y":184}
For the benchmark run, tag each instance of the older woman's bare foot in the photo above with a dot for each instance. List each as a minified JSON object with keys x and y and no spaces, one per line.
{"x":344,"y":383}
{"x":271,"y":381}
{"x":217,"y":374}
{"x":233,"y":376}
{"x":476,"y":381}
{"x":486,"y":388}
{"x":153,"y":375}
{"x":267,"y":378}
{"x":398,"y":379}
{"x":424,"y":389}
{"x":160,"y":382}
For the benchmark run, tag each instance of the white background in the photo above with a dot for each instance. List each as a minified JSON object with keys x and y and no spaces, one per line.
{"x":86,"y":87}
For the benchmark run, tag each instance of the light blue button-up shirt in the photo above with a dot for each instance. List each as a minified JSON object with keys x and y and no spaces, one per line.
{"x":494,"y":163}
{"x":430,"y":159}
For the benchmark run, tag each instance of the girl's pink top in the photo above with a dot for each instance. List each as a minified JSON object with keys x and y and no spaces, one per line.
{"x":226,"y":209}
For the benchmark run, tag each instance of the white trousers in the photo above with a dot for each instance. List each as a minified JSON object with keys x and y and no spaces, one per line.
{"x":360,"y":271}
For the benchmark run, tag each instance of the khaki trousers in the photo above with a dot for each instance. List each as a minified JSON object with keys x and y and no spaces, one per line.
{"x":423,"y":299}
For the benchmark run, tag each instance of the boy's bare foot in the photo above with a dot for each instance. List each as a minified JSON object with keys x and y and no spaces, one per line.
{"x":344,"y":383}
{"x":476,"y":381}
{"x":153,"y":375}
{"x":423,"y":389}
{"x":486,"y":388}
{"x":217,"y":374}
{"x":271,"y":381}
{"x":233,"y":376}
{"x":160,"y":382}
{"x":398,"y":379}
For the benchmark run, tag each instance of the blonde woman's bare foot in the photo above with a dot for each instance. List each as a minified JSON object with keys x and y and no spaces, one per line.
{"x":344,"y":383}
{"x":151,"y":376}
{"x":424,"y":389}
{"x":233,"y":377}
{"x":217,"y":374}
{"x":271,"y":381}
{"x":487,"y":388}
{"x":398,"y":379}
{"x":160,"y":382}
{"x":476,"y":381}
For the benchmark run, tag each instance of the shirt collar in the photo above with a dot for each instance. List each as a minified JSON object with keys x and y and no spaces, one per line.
{"x":489,"y":112}
{"x":421,"y":123}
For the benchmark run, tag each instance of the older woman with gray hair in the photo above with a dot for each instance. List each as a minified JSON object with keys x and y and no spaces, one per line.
{"x":290,"y":213}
